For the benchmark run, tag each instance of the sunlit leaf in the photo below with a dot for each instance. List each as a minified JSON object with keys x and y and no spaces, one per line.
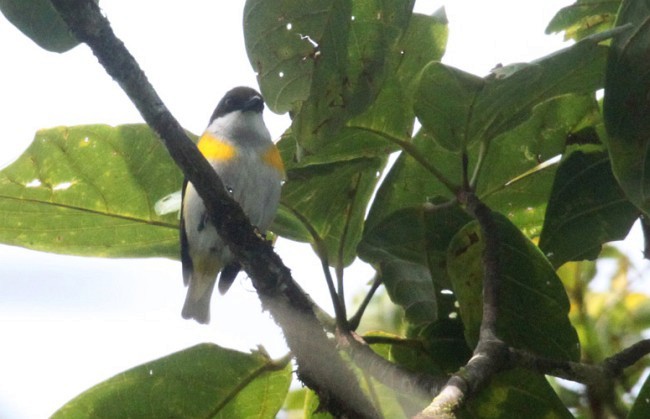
{"x":202,"y":381}
{"x":90,"y":190}
{"x":584,"y":17}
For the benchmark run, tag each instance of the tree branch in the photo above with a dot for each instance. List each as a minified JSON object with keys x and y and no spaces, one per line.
{"x":319,"y":364}
{"x":491,"y":354}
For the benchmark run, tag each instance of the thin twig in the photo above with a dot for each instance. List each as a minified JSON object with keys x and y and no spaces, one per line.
{"x":356,"y":319}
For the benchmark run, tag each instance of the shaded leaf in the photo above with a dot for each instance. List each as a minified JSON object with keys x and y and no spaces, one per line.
{"x":442,"y":348}
{"x":641,"y":407}
{"x":203,"y":381}
{"x":513,"y":178}
{"x":626,"y":108}
{"x":532,"y":301}
{"x":38,"y":20}
{"x":517,"y":393}
{"x":335,"y":217}
{"x":410,"y":286}
{"x":90,"y":190}
{"x":586,"y":209}
{"x":444,"y":103}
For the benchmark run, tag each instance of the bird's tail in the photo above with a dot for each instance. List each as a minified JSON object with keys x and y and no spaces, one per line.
{"x":197,"y":301}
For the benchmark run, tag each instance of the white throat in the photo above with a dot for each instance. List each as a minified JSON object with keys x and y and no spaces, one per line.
{"x":241,"y":126}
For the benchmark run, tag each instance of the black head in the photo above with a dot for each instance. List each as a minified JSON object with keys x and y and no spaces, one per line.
{"x":240,"y":98}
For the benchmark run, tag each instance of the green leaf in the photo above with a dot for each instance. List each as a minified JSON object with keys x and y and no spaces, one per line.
{"x":333,"y":219}
{"x":459,"y":109}
{"x":90,"y":190}
{"x":444,"y":103}
{"x":442,"y":348}
{"x":356,"y":57}
{"x":508,"y":99}
{"x":409,"y":184}
{"x":584,"y":18}
{"x":280,"y":38}
{"x":415,"y":234}
{"x":641,"y":407}
{"x":203,"y":381}
{"x":586,"y":209}
{"x":38,"y":20}
{"x":626,"y":108}
{"x":517,"y":393}
{"x":410,"y":286}
{"x":533,"y":304}
{"x":515,"y":178}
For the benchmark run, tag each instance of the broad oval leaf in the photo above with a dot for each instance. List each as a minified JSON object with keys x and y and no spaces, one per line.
{"x":90,"y":190}
{"x":203,"y":381}
{"x":586,"y":209}
{"x":533,"y":305}
{"x":444,"y":103}
{"x":40,"y":21}
{"x":326,"y":205}
{"x":626,"y":108}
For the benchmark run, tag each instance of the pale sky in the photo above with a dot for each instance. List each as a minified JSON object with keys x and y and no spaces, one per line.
{"x":68,"y":323}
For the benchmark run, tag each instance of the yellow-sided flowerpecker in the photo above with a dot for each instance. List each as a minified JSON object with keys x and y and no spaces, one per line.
{"x":239,"y":147}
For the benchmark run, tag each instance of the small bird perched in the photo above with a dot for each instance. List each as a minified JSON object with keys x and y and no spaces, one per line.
{"x":239,"y":147}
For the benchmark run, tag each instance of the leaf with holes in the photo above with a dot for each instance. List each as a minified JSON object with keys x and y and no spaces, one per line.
{"x":203,"y":381}
{"x":90,"y":190}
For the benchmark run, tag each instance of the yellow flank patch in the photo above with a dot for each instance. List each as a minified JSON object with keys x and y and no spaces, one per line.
{"x":214,"y":148}
{"x":273,"y":159}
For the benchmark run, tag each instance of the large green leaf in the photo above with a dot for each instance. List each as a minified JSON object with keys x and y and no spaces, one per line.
{"x":445,"y":103}
{"x":41,"y":22}
{"x":516,"y":393}
{"x":204,"y":381}
{"x":326,"y":204}
{"x":626,"y":107}
{"x":90,"y":190}
{"x":533,"y":305}
{"x":584,"y":18}
{"x":587,"y":208}
{"x":459,"y":109}
{"x":327,"y":62}
{"x":513,"y":178}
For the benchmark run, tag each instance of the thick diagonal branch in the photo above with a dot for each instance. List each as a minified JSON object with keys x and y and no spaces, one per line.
{"x":319,"y":363}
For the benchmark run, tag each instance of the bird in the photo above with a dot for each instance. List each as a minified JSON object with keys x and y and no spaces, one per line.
{"x":238,"y":146}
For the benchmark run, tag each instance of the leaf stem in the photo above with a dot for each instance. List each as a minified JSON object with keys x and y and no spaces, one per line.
{"x":412,"y":151}
{"x":356,"y":319}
